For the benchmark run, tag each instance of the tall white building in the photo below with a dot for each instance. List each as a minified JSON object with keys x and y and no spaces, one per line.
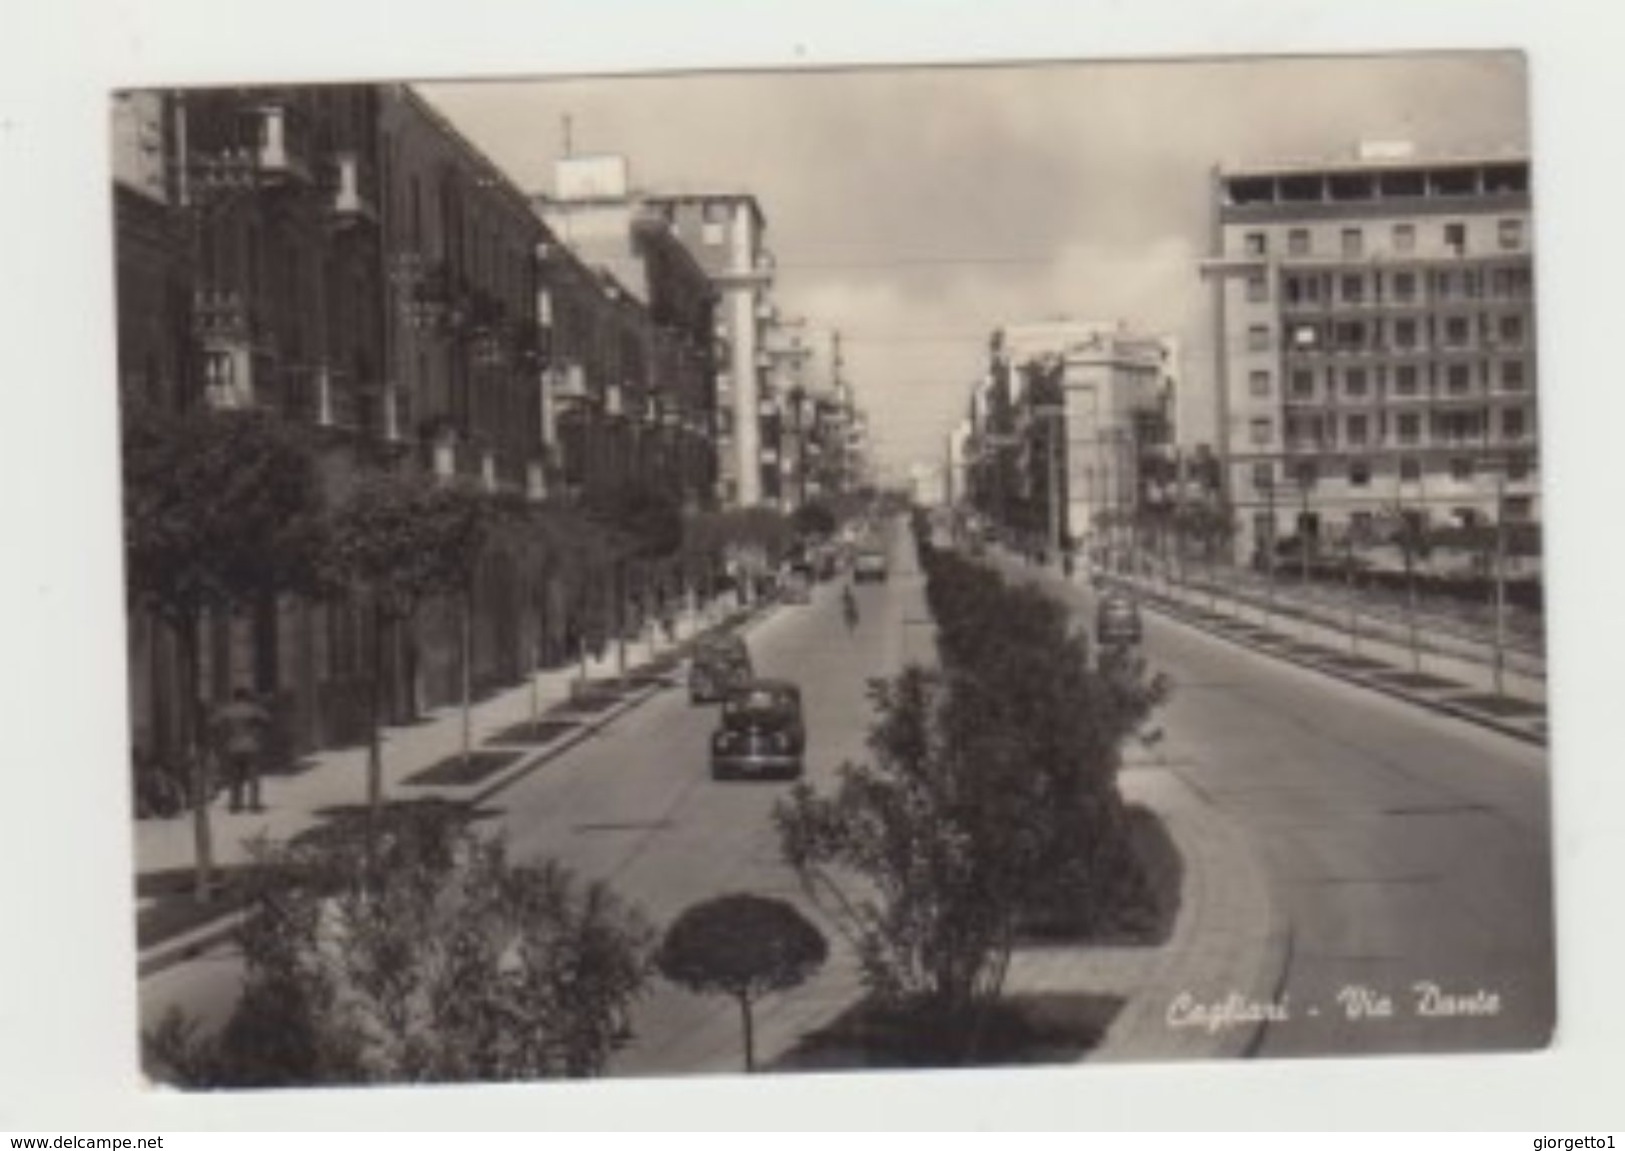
{"x":1374,"y":318}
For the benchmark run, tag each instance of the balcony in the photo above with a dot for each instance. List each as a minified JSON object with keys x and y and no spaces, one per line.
{"x":220,"y":316}
{"x":570,"y":383}
{"x":353,"y":191}
{"x":282,"y":154}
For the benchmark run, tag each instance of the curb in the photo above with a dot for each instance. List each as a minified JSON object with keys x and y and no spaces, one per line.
{"x":170,"y":952}
{"x":1439,"y":706}
{"x":1257,"y":953}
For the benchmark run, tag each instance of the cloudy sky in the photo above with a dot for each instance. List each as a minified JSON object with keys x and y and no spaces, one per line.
{"x":918,"y":209}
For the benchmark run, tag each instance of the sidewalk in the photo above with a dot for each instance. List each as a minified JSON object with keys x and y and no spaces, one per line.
{"x":1436,"y":680}
{"x":422,"y":763}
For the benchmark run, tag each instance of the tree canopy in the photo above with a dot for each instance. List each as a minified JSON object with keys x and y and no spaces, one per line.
{"x":219,"y":507}
{"x":448,"y":962}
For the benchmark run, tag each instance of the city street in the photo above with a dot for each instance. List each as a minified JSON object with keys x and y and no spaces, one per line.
{"x":1404,"y":847}
{"x":635,"y":806}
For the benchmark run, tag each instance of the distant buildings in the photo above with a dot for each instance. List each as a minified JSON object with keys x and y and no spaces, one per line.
{"x":1375,"y":324}
{"x":343,"y":257}
{"x":1071,"y":434}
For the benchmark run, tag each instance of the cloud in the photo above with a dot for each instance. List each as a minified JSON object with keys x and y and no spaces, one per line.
{"x":919,"y":208}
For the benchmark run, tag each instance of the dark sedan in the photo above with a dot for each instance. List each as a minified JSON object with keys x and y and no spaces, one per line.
{"x":760,"y":732}
{"x":1118,"y":620}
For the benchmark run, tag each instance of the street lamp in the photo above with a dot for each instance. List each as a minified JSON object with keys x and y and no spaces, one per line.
{"x":1498,"y":468}
{"x":1054,"y":416}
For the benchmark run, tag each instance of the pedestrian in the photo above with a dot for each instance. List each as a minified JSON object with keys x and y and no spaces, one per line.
{"x":240,"y":730}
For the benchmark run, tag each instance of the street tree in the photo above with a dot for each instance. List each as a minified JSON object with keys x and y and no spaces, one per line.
{"x":741,"y":945}
{"x":447,"y":962}
{"x":222,"y":509}
{"x":1407,"y":530}
{"x":399,"y":540}
{"x":988,"y":805}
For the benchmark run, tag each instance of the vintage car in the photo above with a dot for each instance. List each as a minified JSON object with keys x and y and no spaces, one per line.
{"x":796,"y":586}
{"x":1117,"y":620}
{"x":719,"y":664}
{"x":759,"y":732}
{"x":869,"y":564}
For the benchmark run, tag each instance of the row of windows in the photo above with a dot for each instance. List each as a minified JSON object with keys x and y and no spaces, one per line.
{"x":1402,"y":239}
{"x":1399,"y":287}
{"x":1359,"y":430}
{"x":1406,"y":380}
{"x":1461,"y":469}
{"x":1458,"y":331}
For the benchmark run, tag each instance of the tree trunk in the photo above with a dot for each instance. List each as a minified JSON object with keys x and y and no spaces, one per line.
{"x":466,"y":638}
{"x":375,"y":752}
{"x":197,"y":759}
{"x":750,"y":1033}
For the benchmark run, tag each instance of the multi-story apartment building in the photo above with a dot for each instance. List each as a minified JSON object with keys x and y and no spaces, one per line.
{"x":1063,"y":427}
{"x":1374,"y":320}
{"x":632,"y":314}
{"x":343,"y":257}
{"x":725,"y":232}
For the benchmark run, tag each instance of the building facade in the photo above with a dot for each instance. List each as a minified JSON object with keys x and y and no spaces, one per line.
{"x":726,"y":234}
{"x":1375,"y":343}
{"x":1066,"y":429}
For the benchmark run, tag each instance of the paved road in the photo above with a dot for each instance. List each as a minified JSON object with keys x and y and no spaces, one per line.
{"x":636,"y":806}
{"x":1404,"y":847}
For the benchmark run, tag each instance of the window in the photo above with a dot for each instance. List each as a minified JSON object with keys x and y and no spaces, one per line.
{"x":1297,"y":242}
{"x":1353,"y":289}
{"x":1511,"y":330}
{"x":1256,"y":243}
{"x":1406,"y":380}
{"x":1264,"y":476}
{"x":1410,"y":470}
{"x":1405,"y":333}
{"x":1512,"y":424}
{"x":1461,"y":469}
{"x":1410,"y":427}
{"x":1519,"y":508}
{"x":1519,"y":465}
{"x":1307,"y":473}
{"x":1258,"y":338}
{"x":1258,"y":383}
{"x":1459,"y":379}
{"x":715,"y":212}
{"x":1350,"y":335}
{"x":1359,"y":473}
{"x":1512,"y":375}
{"x":1361,"y":524}
{"x":1359,"y":428}
{"x":1353,"y":244}
{"x":1258,"y":288}
{"x":1456,"y":331}
{"x":1303,"y":384}
{"x":1455,"y":238}
{"x":1404,"y":237}
{"x":1405,"y":287}
{"x":1261,"y":432}
{"x":1510,"y":235}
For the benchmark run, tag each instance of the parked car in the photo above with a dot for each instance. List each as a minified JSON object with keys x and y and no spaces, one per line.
{"x":760,"y":731}
{"x":1117,"y":620}
{"x":719,"y":664}
{"x":796,"y":586}
{"x":869,"y":564}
